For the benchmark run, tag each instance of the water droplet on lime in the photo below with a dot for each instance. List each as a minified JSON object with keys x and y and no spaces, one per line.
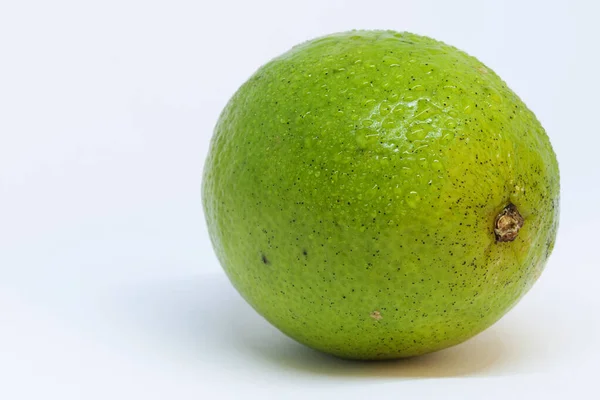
{"x":413,"y":199}
{"x":417,"y":132}
{"x":447,"y":138}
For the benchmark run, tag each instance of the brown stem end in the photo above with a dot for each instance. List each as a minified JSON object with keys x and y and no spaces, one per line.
{"x":508,"y":223}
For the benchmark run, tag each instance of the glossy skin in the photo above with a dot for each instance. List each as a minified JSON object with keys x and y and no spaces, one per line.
{"x":351,"y":191}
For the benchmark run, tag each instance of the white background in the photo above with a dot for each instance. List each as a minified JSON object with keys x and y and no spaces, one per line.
{"x":109,"y":288}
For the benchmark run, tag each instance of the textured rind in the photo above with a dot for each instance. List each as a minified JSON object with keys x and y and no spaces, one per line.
{"x":351,"y":190}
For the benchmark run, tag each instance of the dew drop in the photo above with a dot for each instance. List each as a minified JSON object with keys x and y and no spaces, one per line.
{"x":496,"y":98}
{"x":384,"y":108}
{"x":437,"y":166}
{"x":369,"y":102}
{"x":399,"y":110}
{"x":389,"y":123}
{"x":391,"y":61}
{"x":447,"y":138}
{"x":413,"y":199}
{"x":416,"y":133}
{"x":361,"y":138}
{"x":365,"y":137}
{"x":425,"y":110}
{"x":371,"y":193}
